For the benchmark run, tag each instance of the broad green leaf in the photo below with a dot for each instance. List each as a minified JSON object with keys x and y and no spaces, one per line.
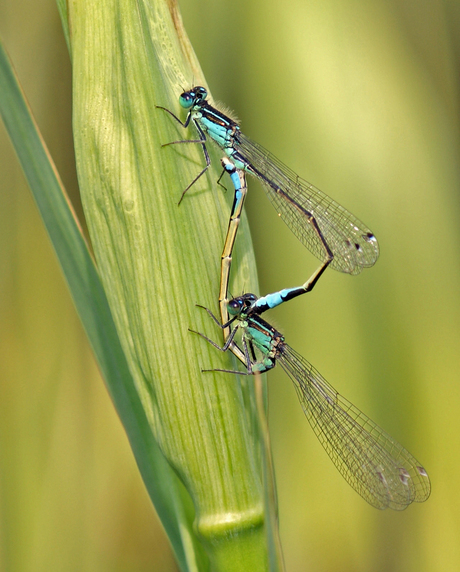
{"x":155,"y":261}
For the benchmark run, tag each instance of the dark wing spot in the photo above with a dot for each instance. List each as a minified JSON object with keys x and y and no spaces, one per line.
{"x":404,"y":476}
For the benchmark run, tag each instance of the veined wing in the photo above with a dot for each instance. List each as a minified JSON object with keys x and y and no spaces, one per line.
{"x":381,"y":470}
{"x":353,"y":245}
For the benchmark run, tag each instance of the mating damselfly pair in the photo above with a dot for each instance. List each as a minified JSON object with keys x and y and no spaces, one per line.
{"x":383,"y":472}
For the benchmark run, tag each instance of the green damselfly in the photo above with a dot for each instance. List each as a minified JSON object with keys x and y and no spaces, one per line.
{"x":327,"y":229}
{"x":381,"y":470}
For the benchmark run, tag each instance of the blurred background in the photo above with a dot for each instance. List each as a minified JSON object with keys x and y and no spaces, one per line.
{"x":362,"y":100}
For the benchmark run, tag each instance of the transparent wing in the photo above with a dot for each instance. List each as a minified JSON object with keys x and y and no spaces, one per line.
{"x":381,"y":470}
{"x":353,"y":245}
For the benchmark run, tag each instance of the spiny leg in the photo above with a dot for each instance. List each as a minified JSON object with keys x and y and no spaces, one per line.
{"x":201,"y":141}
{"x":229,"y":342}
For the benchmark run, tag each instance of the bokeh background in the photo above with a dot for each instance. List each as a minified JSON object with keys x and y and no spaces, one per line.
{"x":360,"y":98}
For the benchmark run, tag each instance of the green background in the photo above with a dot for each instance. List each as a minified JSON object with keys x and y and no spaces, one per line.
{"x":361,"y":99}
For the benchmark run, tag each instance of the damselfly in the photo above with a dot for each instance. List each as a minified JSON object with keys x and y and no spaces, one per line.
{"x":327,"y":229}
{"x":381,"y":470}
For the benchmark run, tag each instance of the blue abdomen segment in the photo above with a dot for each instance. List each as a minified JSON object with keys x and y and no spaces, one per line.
{"x":238,"y":195}
{"x":231,"y":170}
{"x":272,"y":300}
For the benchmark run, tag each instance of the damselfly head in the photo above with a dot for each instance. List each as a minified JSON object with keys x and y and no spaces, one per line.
{"x":192,"y":97}
{"x":241,"y":303}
